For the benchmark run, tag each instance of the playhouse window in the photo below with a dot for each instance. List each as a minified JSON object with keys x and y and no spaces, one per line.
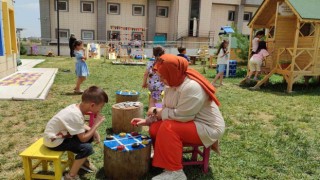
{"x":231,"y":15}
{"x":87,"y":7}
{"x":162,"y":11}
{"x":306,"y":29}
{"x":247,"y":16}
{"x":114,"y":8}
{"x":87,"y":34}
{"x":137,"y":10}
{"x":114,"y":35}
{"x":62,"y":5}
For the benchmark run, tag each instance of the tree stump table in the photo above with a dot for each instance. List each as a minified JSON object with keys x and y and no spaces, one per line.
{"x":126,"y":162}
{"x":125,"y":95}
{"x":123,"y":113}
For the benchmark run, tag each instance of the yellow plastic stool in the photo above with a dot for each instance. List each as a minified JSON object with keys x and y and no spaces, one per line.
{"x":42,"y":155}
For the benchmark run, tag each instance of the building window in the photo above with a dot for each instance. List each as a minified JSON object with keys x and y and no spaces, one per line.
{"x":162,"y":11}
{"x":137,"y":36}
{"x":247,"y":16}
{"x":87,"y":6}
{"x":114,"y":8}
{"x":63,"y":33}
{"x":113,"y":35}
{"x":231,"y":15}
{"x":162,"y":34}
{"x":63,"y":5}
{"x":87,"y":34}
{"x":137,"y":10}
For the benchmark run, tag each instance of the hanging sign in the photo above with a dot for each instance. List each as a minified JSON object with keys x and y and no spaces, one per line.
{"x":285,"y":10}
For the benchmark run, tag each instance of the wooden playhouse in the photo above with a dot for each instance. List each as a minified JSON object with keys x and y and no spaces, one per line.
{"x":293,"y":34}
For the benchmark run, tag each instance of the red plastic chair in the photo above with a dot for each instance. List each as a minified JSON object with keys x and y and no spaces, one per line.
{"x":205,"y":154}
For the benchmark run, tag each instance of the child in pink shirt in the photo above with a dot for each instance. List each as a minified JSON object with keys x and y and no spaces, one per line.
{"x":255,"y":62}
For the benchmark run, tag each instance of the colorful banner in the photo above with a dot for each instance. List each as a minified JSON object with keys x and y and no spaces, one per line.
{"x":127,"y":28}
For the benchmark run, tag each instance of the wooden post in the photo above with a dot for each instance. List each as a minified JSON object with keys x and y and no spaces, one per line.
{"x":316,"y":47}
{"x":126,"y":165}
{"x":275,"y":35}
{"x":121,"y":118}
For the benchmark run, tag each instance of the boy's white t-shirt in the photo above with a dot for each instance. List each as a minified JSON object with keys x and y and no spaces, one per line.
{"x":222,"y":59}
{"x":255,"y":44}
{"x":69,"y":121}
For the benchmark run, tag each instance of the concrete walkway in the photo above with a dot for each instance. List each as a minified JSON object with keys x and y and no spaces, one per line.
{"x":28,"y":83}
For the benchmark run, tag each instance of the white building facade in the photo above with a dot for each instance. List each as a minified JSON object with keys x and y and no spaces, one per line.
{"x":146,"y":20}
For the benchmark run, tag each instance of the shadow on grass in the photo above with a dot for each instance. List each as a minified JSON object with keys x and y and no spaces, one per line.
{"x":71,"y":94}
{"x":280,"y":89}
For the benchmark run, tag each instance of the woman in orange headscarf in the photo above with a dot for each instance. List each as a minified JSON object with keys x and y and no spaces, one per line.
{"x":190,"y":115}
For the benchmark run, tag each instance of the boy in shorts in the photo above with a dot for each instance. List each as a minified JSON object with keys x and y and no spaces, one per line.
{"x":67,"y":131}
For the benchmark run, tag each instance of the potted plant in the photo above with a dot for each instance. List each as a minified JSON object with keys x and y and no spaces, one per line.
{"x":284,"y":63}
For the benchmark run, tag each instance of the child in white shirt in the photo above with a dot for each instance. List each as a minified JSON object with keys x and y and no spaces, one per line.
{"x":255,"y":42}
{"x":222,"y":62}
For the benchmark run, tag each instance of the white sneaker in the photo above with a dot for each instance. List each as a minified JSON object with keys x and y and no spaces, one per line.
{"x":171,"y":175}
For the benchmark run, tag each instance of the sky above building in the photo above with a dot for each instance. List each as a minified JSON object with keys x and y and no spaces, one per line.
{"x":27,"y":15}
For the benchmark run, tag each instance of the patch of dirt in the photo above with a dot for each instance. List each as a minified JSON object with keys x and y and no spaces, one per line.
{"x":267,"y":118}
{"x":234,"y":136}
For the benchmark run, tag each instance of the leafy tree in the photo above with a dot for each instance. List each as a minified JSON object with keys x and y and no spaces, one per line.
{"x":242,"y":45}
{"x":23,"y":50}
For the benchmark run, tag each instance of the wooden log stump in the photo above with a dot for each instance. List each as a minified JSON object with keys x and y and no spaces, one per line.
{"x":131,"y":165}
{"x":124,"y":96}
{"x":121,"y":118}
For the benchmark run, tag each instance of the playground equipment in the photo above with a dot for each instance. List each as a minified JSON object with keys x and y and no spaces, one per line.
{"x":93,"y":51}
{"x":293,"y":28}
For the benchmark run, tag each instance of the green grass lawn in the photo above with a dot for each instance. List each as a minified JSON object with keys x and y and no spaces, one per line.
{"x":269,"y":134}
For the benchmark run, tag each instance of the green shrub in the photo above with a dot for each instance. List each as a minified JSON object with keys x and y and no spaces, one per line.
{"x":242,"y":45}
{"x":241,"y":72}
{"x":23,"y":50}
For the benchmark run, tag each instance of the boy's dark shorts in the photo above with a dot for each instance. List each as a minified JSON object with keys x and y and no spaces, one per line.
{"x":74,"y":145}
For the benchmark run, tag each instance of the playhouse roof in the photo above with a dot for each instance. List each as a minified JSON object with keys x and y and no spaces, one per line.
{"x":306,"y":10}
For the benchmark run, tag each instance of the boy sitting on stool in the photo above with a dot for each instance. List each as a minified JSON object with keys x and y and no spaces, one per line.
{"x":66,"y":131}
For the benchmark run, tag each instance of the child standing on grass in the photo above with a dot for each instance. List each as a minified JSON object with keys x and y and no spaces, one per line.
{"x":255,"y":42}
{"x":183,"y":52}
{"x":222,"y":61}
{"x":66,"y":131}
{"x":81,"y":66}
{"x":256,"y":60}
{"x":154,"y":84}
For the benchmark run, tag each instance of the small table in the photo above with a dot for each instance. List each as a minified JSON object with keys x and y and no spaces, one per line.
{"x":129,"y":163}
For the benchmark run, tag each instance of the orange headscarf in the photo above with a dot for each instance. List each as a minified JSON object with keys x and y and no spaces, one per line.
{"x":174,"y":69}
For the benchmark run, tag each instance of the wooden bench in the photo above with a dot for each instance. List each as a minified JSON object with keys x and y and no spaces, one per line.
{"x":38,"y":154}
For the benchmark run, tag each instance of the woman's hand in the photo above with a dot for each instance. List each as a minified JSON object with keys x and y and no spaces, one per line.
{"x":139,"y":122}
{"x":155,"y":112}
